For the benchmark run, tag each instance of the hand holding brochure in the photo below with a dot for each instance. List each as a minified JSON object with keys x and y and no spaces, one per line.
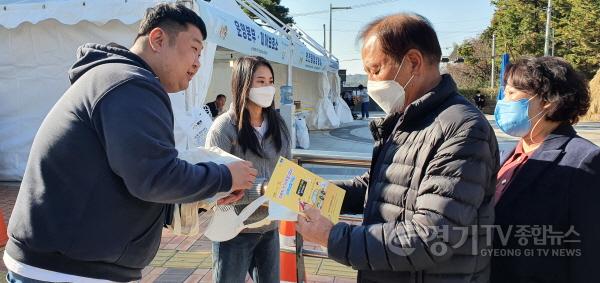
{"x":291,"y":184}
{"x":182,"y":218}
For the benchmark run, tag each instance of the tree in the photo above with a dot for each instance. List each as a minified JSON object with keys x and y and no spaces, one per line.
{"x":475,"y":71}
{"x":594,"y":112}
{"x":274,"y":7}
{"x":578,"y":35}
{"x":520,"y":26}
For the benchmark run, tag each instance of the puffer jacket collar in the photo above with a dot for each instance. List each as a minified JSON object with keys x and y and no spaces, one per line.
{"x":382,"y":128}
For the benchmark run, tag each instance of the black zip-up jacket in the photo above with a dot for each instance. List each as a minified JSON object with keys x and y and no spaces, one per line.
{"x":428,"y":194}
{"x":101,"y":169}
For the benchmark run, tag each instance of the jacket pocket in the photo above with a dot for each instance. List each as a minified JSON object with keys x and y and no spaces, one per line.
{"x":141,"y":250}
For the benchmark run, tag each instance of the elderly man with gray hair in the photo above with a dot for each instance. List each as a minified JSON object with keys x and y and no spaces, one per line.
{"x":428,"y":196}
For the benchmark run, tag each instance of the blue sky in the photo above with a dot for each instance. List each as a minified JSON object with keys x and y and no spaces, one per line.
{"x":453,"y":20}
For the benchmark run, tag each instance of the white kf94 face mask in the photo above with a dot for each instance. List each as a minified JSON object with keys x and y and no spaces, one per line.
{"x":262,"y":96}
{"x":389,"y":94}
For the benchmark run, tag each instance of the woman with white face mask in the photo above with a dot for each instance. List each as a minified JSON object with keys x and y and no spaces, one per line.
{"x":550,"y":183}
{"x":253,"y":130}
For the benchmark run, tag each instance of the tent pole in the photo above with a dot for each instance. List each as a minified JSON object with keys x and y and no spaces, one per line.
{"x":287,"y":110}
{"x":290,"y":64}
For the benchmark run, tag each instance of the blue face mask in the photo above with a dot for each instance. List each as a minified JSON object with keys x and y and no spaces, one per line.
{"x":512,"y":117}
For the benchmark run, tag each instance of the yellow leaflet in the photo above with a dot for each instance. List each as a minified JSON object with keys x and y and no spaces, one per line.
{"x":291,"y":184}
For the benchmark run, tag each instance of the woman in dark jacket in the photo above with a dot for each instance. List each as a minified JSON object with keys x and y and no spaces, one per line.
{"x":549,"y":185}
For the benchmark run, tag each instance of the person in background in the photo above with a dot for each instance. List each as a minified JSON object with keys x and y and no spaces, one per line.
{"x":480,"y":100}
{"x":549,"y":184}
{"x":364,"y":101}
{"x":348,"y":98}
{"x":103,"y":164}
{"x":217,"y":107}
{"x":253,"y":130}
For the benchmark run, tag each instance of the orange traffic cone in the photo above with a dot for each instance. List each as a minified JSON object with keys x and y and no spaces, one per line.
{"x":3,"y":232}
{"x":288,"y":260}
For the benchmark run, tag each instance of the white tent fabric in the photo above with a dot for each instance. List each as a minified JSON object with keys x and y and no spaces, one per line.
{"x":183,"y":120}
{"x":240,"y":33}
{"x":341,"y":107}
{"x":196,"y":92}
{"x":191,"y":123}
{"x":194,"y":119}
{"x":14,"y":13}
{"x":38,"y":40}
{"x":36,"y":58}
{"x":231,"y":7}
{"x":33,"y":75}
{"x":343,"y":110}
{"x":324,"y":115}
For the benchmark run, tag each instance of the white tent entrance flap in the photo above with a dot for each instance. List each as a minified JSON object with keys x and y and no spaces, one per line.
{"x":325,"y":116}
{"x":341,"y":107}
{"x":39,"y":39}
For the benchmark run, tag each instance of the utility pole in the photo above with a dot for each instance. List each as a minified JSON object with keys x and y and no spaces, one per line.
{"x":331,"y":8}
{"x":553,"y":42}
{"x":493,"y":59}
{"x":324,"y":37}
{"x":547,"y":41}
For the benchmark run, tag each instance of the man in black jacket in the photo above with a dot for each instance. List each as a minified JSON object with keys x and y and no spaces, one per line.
{"x":103,"y":163}
{"x":217,"y":107}
{"x":429,"y":191}
{"x":480,"y":100}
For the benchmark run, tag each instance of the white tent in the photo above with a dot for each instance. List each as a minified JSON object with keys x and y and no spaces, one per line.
{"x":38,"y":39}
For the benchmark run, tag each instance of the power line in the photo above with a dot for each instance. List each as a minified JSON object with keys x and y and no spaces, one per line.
{"x":353,"y":7}
{"x":372,"y":3}
{"x":460,"y":21}
{"x":340,"y":30}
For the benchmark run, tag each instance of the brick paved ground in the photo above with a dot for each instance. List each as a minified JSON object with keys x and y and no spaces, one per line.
{"x":8,"y":195}
{"x":188,"y":259}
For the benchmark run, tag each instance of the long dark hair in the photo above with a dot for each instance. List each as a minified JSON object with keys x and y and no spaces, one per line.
{"x":241,"y":82}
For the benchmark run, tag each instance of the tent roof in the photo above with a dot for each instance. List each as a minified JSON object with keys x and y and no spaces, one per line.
{"x":70,"y":12}
{"x":223,"y":15}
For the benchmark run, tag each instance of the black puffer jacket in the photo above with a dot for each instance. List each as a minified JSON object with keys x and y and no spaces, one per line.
{"x":428,"y":193}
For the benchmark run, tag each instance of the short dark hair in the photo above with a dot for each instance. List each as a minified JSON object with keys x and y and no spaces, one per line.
{"x":221,"y":96}
{"x":555,"y":80}
{"x":360,"y":87}
{"x":172,"y":18}
{"x":401,"y":32}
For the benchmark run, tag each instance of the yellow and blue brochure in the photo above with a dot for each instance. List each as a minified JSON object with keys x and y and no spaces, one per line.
{"x":290,"y":185}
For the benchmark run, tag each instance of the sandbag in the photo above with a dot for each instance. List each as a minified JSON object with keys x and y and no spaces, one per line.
{"x":302,"y":137}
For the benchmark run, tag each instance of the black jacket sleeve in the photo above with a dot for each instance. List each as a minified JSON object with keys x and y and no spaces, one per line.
{"x":448,"y":198}
{"x":356,"y":190}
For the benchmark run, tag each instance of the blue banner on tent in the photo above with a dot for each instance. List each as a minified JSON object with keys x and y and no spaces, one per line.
{"x":503,"y":65}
